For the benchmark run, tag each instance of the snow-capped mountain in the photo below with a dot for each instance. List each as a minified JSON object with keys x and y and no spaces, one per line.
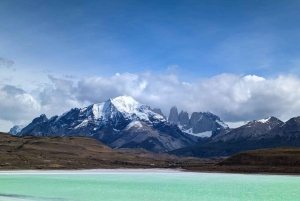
{"x":16,"y":129}
{"x":118,"y":122}
{"x":251,"y":131}
{"x":288,"y":132}
{"x":264,"y":133}
{"x":200,"y":124}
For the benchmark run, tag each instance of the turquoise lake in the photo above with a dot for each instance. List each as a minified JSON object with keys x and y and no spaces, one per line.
{"x":144,"y":185}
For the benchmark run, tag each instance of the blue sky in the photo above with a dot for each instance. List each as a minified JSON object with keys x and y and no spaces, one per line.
{"x":201,"y":38}
{"x":53,"y":52}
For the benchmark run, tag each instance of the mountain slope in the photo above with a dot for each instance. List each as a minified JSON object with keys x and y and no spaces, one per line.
{"x":158,"y":111}
{"x":113,"y":122}
{"x":251,"y":130}
{"x":205,"y":123}
{"x":31,"y":152}
{"x":288,"y":131}
{"x":265,"y":133}
{"x":272,"y":160}
{"x":16,"y":129}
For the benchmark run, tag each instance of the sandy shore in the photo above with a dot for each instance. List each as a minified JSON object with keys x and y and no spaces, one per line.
{"x":94,"y":171}
{"x":125,"y":171}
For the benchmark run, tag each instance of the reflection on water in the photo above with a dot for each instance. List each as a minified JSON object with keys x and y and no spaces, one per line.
{"x":15,"y":197}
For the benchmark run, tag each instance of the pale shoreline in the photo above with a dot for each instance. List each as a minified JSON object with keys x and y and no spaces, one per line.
{"x":93,"y":171}
{"x":125,"y":171}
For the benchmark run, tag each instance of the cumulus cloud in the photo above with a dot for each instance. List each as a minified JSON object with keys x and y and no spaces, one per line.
{"x":234,"y":98}
{"x":59,"y":97}
{"x":16,"y":105}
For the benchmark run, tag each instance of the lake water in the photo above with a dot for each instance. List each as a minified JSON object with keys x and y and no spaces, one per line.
{"x":144,"y":185}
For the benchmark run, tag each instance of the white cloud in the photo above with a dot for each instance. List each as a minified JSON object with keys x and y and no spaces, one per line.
{"x":5,"y":125}
{"x":16,"y":105}
{"x":234,"y":98}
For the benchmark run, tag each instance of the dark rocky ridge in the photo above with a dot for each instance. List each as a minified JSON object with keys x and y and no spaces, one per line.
{"x":266,"y":133}
{"x":199,"y":122}
{"x":35,"y":122}
{"x":251,"y":130}
{"x":286,"y":131}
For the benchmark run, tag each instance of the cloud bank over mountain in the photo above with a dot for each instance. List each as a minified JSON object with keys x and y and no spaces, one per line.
{"x":235,"y":98}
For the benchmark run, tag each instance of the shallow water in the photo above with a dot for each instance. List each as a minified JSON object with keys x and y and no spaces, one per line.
{"x":144,"y":185}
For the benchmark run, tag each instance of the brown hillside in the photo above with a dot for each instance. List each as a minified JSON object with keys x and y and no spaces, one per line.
{"x":280,"y":160}
{"x":85,"y":153}
{"x":31,"y":152}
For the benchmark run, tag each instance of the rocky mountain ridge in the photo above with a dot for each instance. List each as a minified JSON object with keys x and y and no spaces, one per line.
{"x":250,"y":131}
{"x":120,"y":122}
{"x":200,"y":124}
{"x":265,"y":133}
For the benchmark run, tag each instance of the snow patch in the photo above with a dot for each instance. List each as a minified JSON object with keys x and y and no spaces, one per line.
{"x":16,"y":129}
{"x":131,"y":109}
{"x":202,"y":135}
{"x":99,"y":110}
{"x":264,"y":120}
{"x":82,"y":124}
{"x":125,"y":104}
{"x":59,"y":117}
{"x":200,"y":118}
{"x":221,"y":123}
{"x":135,"y":124}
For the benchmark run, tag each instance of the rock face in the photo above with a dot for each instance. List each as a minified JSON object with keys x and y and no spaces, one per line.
{"x":205,"y":121}
{"x":35,"y":122}
{"x":288,"y":132}
{"x":119,"y":122}
{"x":265,"y":133}
{"x":201,"y":124}
{"x":173,"y":116}
{"x":184,"y":120}
{"x":158,"y":111}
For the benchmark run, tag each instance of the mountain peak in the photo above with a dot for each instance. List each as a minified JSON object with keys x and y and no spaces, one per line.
{"x":118,"y":122}
{"x":123,"y":98}
{"x":125,"y":104}
{"x":121,"y":107}
{"x":267,"y":120}
{"x":264,"y":120}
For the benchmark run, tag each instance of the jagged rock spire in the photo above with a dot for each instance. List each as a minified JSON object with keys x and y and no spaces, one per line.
{"x":173,"y":116}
